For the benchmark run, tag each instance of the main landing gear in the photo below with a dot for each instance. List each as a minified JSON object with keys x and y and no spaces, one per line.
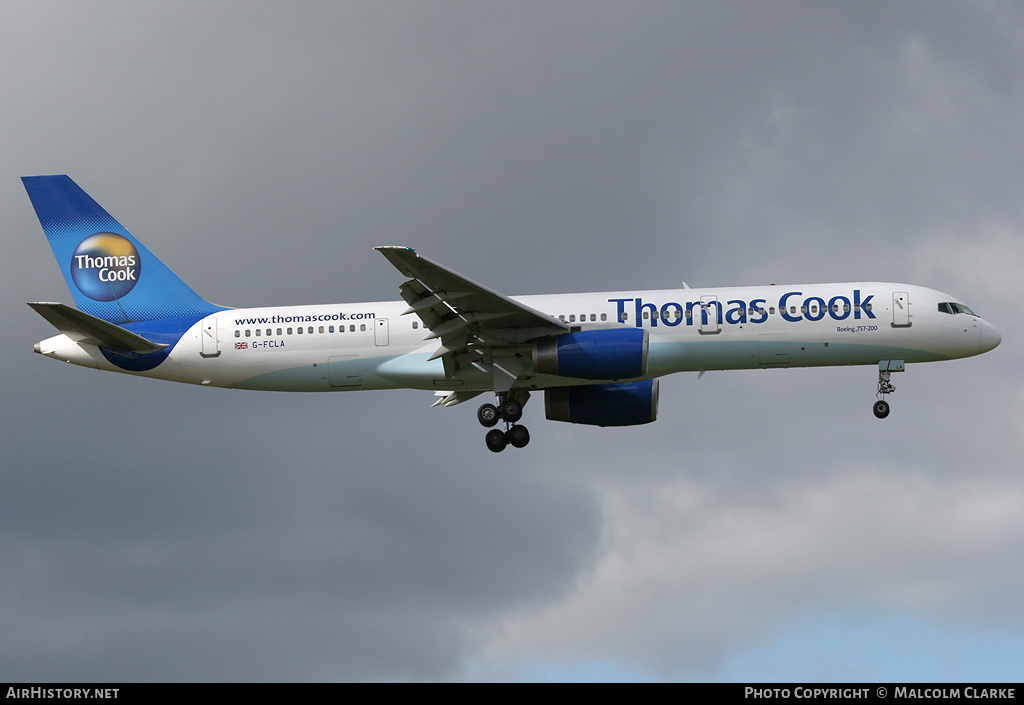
{"x":885,"y":370}
{"x":508,"y":410}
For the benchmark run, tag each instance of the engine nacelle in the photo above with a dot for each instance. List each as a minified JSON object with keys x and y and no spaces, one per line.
{"x":604,"y":404}
{"x":612,"y":353}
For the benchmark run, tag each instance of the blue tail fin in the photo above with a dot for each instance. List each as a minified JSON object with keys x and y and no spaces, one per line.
{"x":111,"y":274}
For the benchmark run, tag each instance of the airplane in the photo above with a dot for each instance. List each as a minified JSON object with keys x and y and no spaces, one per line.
{"x":596,"y":356}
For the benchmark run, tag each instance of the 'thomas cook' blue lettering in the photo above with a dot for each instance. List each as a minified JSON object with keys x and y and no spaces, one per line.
{"x":811,"y":308}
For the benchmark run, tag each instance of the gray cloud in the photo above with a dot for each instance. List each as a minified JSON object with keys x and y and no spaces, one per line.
{"x":154,"y":531}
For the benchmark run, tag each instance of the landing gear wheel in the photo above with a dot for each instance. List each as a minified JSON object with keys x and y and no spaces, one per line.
{"x":496,"y":441}
{"x":881,"y":408}
{"x":487,"y":415}
{"x":518,"y":436}
{"x":511,"y":410}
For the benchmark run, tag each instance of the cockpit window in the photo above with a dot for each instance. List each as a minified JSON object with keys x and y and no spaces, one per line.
{"x":950,"y":307}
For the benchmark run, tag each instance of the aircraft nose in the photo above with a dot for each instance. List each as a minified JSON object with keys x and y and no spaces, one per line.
{"x":990,"y":337}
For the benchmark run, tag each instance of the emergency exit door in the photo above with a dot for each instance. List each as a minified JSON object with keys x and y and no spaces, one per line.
{"x":380,"y":331}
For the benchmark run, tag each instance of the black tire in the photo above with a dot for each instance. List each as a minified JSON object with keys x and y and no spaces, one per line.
{"x":496,"y":441}
{"x":881,"y":408}
{"x":488,"y":415}
{"x":518,"y":436}
{"x":511,"y":410}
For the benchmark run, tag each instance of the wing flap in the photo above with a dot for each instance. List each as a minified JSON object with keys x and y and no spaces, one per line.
{"x":453,"y":398}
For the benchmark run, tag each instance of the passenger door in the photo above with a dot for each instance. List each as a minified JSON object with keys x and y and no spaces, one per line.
{"x":209,"y":343}
{"x":900,"y":309}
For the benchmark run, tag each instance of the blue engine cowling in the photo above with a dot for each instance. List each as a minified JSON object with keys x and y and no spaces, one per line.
{"x":612,"y":353}
{"x":604,"y":404}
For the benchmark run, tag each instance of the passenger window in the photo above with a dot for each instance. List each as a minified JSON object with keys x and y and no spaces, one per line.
{"x":289,"y":331}
{"x":248,"y":334}
{"x":321,"y":329}
{"x":572,"y":318}
{"x":258,"y":333}
{"x":330,"y":329}
{"x":352,"y":328}
{"x":604,"y":316}
{"x":238,"y":333}
{"x":415,"y":325}
{"x":279,"y":331}
{"x":362,"y":326}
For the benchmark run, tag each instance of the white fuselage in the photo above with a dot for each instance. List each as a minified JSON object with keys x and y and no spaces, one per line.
{"x":339,"y":347}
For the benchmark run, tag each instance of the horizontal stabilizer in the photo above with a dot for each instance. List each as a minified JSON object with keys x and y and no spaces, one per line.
{"x":83,"y":328}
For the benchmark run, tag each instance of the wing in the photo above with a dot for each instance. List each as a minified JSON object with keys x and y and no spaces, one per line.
{"x":476,"y":325}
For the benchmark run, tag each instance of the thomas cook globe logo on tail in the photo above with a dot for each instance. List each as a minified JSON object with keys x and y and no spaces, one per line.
{"x":105,"y":266}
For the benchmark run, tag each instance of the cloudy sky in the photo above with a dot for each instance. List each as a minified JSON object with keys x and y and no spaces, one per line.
{"x":767,"y":527}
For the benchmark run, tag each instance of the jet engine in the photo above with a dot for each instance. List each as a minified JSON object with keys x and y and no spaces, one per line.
{"x":604,"y":404}
{"x":613,"y":353}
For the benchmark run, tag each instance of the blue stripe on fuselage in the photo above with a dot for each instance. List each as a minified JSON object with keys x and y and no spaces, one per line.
{"x":167,"y":331}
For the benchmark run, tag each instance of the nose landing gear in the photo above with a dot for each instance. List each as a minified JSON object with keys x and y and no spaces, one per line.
{"x":509,"y":410}
{"x":885,"y":386}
